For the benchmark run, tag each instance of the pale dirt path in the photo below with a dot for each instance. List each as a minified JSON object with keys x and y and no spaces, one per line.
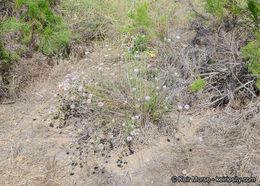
{"x":163,"y":158}
{"x":29,"y":149}
{"x":34,"y":154}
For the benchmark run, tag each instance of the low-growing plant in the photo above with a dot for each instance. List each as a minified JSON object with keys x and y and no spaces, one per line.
{"x":110,"y":107}
{"x":215,"y":7}
{"x":4,"y":56}
{"x":37,"y":19}
{"x":254,"y":8}
{"x":149,"y":95}
{"x":15,"y":25}
{"x":136,"y":44}
{"x":198,"y":85}
{"x":138,"y":95}
{"x":141,"y":20}
{"x":249,"y":9}
{"x":252,"y":51}
{"x":141,"y":26}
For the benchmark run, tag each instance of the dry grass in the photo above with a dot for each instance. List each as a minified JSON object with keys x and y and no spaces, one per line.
{"x":215,"y":55}
{"x":231,"y":140}
{"x":198,"y":141}
{"x":229,"y":148}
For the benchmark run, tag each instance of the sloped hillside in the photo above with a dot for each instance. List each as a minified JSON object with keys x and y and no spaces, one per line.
{"x":129,"y":92}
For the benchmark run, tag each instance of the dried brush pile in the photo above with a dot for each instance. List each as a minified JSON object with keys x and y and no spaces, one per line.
{"x":221,"y":63}
{"x":215,"y":55}
{"x":5,"y":8}
{"x":233,"y":136}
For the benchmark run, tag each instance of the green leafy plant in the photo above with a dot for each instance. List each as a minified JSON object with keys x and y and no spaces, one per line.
{"x":141,"y":26}
{"x":248,"y":9}
{"x":4,"y":56}
{"x":254,"y":8}
{"x":215,"y":7}
{"x":161,"y":27}
{"x":39,"y":18}
{"x":15,"y":25}
{"x":198,"y":85}
{"x":140,"y":44}
{"x":252,"y":51}
{"x":141,"y":19}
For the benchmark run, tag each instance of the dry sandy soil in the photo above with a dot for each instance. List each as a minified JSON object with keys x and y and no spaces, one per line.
{"x":215,"y":143}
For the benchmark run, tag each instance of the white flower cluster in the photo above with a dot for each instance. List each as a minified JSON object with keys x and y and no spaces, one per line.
{"x":72,"y":81}
{"x":187,"y":107}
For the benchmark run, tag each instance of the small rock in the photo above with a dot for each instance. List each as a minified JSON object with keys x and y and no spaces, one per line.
{"x":96,"y":168}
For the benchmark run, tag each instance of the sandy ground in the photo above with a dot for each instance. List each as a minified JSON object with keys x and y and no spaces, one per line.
{"x":32,"y":153}
{"x":35,"y":154}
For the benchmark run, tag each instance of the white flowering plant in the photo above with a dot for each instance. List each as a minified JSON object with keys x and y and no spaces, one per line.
{"x":136,"y":43}
{"x":110,"y":100}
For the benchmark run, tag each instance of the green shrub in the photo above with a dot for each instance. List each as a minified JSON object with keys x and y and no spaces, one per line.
{"x":215,"y":7}
{"x":54,"y":41}
{"x":139,"y":44}
{"x":247,"y":9}
{"x":252,"y":51}
{"x":140,"y":29}
{"x":198,"y":85}
{"x":12,"y":25}
{"x":140,"y":18}
{"x":39,"y":18}
{"x":254,"y":8}
{"x":15,"y":25}
{"x":4,"y":56}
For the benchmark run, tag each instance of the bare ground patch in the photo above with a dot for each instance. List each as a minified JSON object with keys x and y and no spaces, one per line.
{"x":202,"y":142}
{"x":205,"y":143}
